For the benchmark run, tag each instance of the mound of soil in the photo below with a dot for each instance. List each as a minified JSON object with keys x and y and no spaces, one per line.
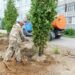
{"x":56,"y":64}
{"x":3,"y":43}
{"x":65,"y":66}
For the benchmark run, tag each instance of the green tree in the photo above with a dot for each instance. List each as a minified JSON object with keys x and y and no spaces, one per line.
{"x":10,"y":15}
{"x":3,"y":24}
{"x":42,"y":14}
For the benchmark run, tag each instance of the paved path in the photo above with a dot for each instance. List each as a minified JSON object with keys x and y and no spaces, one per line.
{"x":3,"y":31}
{"x":65,"y":42}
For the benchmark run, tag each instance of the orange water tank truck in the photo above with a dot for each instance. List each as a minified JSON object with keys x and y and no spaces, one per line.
{"x":59,"y":25}
{"x":59,"y":22}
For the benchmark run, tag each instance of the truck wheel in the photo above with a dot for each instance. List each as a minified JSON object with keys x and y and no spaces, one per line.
{"x":51,"y":35}
{"x":58,"y":37}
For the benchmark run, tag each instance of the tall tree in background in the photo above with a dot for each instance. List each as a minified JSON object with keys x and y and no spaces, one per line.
{"x":42,"y":14}
{"x":10,"y":15}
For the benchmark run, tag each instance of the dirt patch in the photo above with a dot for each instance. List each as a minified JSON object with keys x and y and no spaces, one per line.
{"x":3,"y":43}
{"x":25,"y":68}
{"x":55,"y":64}
{"x":28,"y":67}
{"x":63,"y":66}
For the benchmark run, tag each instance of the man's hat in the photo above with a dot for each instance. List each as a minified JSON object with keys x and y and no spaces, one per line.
{"x":20,"y":19}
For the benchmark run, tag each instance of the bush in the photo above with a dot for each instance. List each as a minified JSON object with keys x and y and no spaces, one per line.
{"x":69,"y":32}
{"x":42,"y":14}
{"x":56,"y":51}
{"x":3,"y":24}
{"x":10,"y":15}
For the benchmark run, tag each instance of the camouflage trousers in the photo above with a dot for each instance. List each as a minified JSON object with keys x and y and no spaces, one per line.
{"x":13,"y":50}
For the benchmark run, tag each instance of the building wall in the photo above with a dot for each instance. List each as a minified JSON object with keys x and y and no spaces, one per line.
{"x":67,"y":7}
{"x":23,"y":6}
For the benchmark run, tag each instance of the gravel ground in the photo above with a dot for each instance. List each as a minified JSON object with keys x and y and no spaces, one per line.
{"x":64,"y":42}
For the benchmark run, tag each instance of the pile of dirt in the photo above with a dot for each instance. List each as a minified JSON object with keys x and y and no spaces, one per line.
{"x":55,"y":64}
{"x":28,"y":67}
{"x":26,"y":48}
{"x":3,"y":43}
{"x":62,"y":65}
{"x":25,"y":68}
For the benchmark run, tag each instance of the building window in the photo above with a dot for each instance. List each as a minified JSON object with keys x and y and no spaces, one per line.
{"x":60,"y":9}
{"x":69,"y":20}
{"x":65,"y":7}
{"x":73,"y":20}
{"x":74,"y":6}
{"x":18,"y":0}
{"x":70,"y":7}
{"x":4,"y":0}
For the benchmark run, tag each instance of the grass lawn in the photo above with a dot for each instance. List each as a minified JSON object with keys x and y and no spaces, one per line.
{"x":69,"y":33}
{"x":71,"y":36}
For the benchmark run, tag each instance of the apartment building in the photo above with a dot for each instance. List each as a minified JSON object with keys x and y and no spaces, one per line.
{"x":67,"y":8}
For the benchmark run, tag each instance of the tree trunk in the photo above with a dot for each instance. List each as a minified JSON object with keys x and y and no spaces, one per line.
{"x":40,"y":51}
